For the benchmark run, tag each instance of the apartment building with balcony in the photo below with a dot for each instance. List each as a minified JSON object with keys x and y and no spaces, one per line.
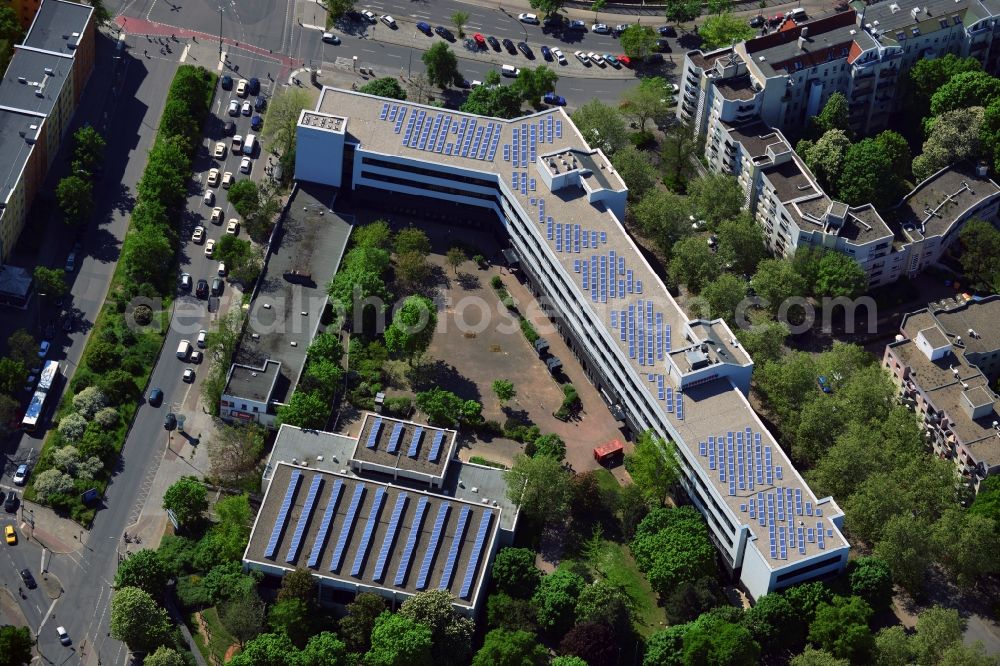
{"x":943,"y":361}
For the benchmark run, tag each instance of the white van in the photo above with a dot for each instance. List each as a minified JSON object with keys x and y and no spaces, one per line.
{"x":183,"y":349}
{"x":250,"y":145}
{"x":509,"y":70}
{"x":797,"y":14}
{"x":202,"y":334}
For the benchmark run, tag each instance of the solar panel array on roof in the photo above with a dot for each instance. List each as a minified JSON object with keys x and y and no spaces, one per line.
{"x":282,"y":517}
{"x":366,"y":536}
{"x":436,"y":446}
{"x":373,"y":433}
{"x":324,"y":526}
{"x":390,"y":536}
{"x":432,"y":547}
{"x":477,"y":551}
{"x":415,"y":442}
{"x":429,"y":131}
{"x":411,"y":542}
{"x":456,"y":547}
{"x":304,"y":517}
{"x":348,"y":527}
{"x":397,"y":432}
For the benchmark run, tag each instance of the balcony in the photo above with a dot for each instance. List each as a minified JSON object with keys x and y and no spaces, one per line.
{"x":858,"y":94}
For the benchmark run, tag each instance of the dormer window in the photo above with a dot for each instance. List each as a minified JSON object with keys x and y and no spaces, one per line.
{"x":916,"y":32}
{"x":900,"y":36}
{"x":957,"y":20}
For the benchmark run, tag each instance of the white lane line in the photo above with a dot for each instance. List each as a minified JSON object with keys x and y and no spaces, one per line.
{"x":48,"y":614}
{"x":184,"y":54}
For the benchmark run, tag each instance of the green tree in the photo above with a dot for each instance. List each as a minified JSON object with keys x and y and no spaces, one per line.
{"x":596,"y":6}
{"x":412,"y":239}
{"x":693,"y":263}
{"x":137,"y":621}
{"x":387,"y":86}
{"x":539,"y":486}
{"x":672,"y":546}
{"x":11,"y":31}
{"x":147,"y":254}
{"x":638,"y":41}
{"x":550,"y":445}
{"x":741,"y":244}
{"x":594,"y":641}
{"x":412,"y":327}
{"x":142,"y":569}
{"x":964,"y":544}
{"x":653,"y":466}
{"x":602,"y":126}
{"x":283,"y":112}
{"x":337,"y":9}
{"x":412,"y":270}
{"x":234,"y":452}
{"x":455,"y":257}
{"x":12,"y":375}
{"x":825,"y":158}
{"x":493,"y":99}
{"x":692,"y":598}
{"x":841,"y":628}
{"x":980,"y":256}
{"x":399,"y":641}
{"x":868,"y":176}
{"x":723,"y":30}
{"x":547,"y":7}
{"x":356,"y":627}
{"x":375,"y":234}
{"x":515,"y":573}
{"x":713,"y":640}
{"x":504,"y":390}
{"x":22,"y":348}
{"x":75,"y":196}
{"x":893,"y":647}
{"x":187,"y":498}
{"x":840,"y":275}
{"x":678,"y":153}
{"x":605,"y":603}
{"x":533,"y":83}
{"x":164,"y":656}
{"x":510,"y":648}
{"x":298,"y":584}
{"x":955,"y":136}
{"x":513,"y":614}
{"x":722,"y":296}
{"x":664,"y":217}
{"x":305,"y":410}
{"x":293,"y":618}
{"x":636,"y":169}
{"x":227,"y":580}
{"x":15,"y":642}
{"x":324,"y":649}
{"x":165,"y":177}
{"x":965,"y":89}
{"x":937,"y":628}
{"x":441,"y":64}
{"x":243,"y":616}
{"x":451,"y":633}
{"x":776,"y":281}
{"x":568,"y":661}
{"x":649,"y":100}
{"x":834,"y":115}
{"x":903,"y":545}
{"x":682,"y":11}
{"x":555,"y":600}
{"x":716,"y":198}
{"x":773,"y":624}
{"x":814,"y":657}
{"x":871,"y":579}
{"x":266,"y":650}
{"x":459,"y":20}
{"x":444,"y":407}
{"x":50,"y":282}
{"x":898,"y":150}
{"x":927,"y":76}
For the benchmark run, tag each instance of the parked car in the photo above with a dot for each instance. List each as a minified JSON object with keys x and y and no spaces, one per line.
{"x":776,"y":19}
{"x":188,"y":375}
{"x":234,"y":107}
{"x":170,"y":421}
{"x":195,"y":356}
{"x":222,"y":269}
{"x":577,"y":24}
{"x":552,"y":98}
{"x":247,"y":108}
{"x":444,"y":33}
{"x":330,"y":38}
{"x":10,"y":535}
{"x":155,"y":397}
{"x":624,"y":59}
{"x":256,"y":123}
{"x":10,"y":504}
{"x":201,"y":291}
{"x":611,"y":60}
{"x":216,"y":215}
{"x":582,"y":57}
{"x":600,"y":29}
{"x":546,"y":52}
{"x":528,"y":18}
{"x":424,"y":27}
{"x":260,"y":103}
{"x":210,"y":248}
{"x":245,"y":165}
{"x":369,"y":16}
{"x":552,"y":24}
{"x":70,"y":263}
{"x":217,"y":286}
{"x":29,"y":580}
{"x":213,"y":177}
{"x":227,"y":82}
{"x":494,"y":42}
{"x":21,"y":475}
{"x":220,"y":150}
{"x":208,"y":198}
{"x":63,"y":636}
{"x":389,"y":21}
{"x":253,"y":86}
{"x":479,"y":40}
{"x":229,"y":128}
{"x":619,"y":29}
{"x":526,"y":50}
{"x":596,"y":58}
{"x":237,"y":143}
{"x":43,"y":348}
{"x":233,"y":228}
{"x":667,"y":31}
{"x":242,"y":87}
{"x":509,"y":45}
{"x":756,"y":21}
{"x":227,"y":180}
{"x":199,"y":234}
{"x":559,"y":56}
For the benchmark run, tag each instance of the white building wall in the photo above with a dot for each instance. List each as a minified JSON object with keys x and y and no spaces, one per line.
{"x":319,"y":155}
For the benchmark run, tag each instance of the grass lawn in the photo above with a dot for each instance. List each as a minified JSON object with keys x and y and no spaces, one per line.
{"x":607,"y":481}
{"x":220,"y":639}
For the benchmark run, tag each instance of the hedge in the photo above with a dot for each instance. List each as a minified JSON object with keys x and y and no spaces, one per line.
{"x":146,"y":268}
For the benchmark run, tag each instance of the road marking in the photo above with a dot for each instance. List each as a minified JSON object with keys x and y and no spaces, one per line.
{"x":184,"y":53}
{"x":48,"y":614}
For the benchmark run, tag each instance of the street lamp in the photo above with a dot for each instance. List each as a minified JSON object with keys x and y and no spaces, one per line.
{"x":220,"y":32}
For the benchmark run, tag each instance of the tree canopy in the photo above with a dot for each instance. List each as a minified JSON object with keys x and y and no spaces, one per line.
{"x":723,"y":29}
{"x":399,"y":641}
{"x":386,"y":86}
{"x":539,"y":486}
{"x":493,"y":99}
{"x":602,"y":126}
{"x":441,"y":64}
{"x":555,"y":600}
{"x":653,"y":466}
{"x":187,"y":498}
{"x":671,"y":546}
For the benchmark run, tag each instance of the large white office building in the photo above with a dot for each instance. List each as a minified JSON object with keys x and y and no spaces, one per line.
{"x":561,"y":204}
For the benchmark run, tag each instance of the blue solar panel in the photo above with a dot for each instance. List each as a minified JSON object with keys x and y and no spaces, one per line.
{"x":432,"y":547}
{"x":373,"y":433}
{"x":304,"y":517}
{"x":680,"y":406}
{"x":477,"y":550}
{"x":456,"y":548}
{"x":324,"y":526}
{"x":348,"y":527}
{"x":392,"y":112}
{"x":638,"y":286}
{"x":366,"y":536}
{"x":397,"y":431}
{"x":415,"y":443}
{"x":411,"y":541}
{"x":390,"y":537}
{"x":385,"y":111}
{"x":282,"y":518}
{"x":558,"y":129}
{"x":436,"y":446}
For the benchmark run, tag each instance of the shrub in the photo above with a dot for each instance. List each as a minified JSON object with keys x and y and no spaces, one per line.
{"x":142,"y":315}
{"x":529,"y":331}
{"x":398,"y":406}
{"x":89,"y":401}
{"x":52,"y":482}
{"x":72,"y":426}
{"x":479,"y":460}
{"x":192,"y":593}
{"x":496,"y":282}
{"x":106,"y":418}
